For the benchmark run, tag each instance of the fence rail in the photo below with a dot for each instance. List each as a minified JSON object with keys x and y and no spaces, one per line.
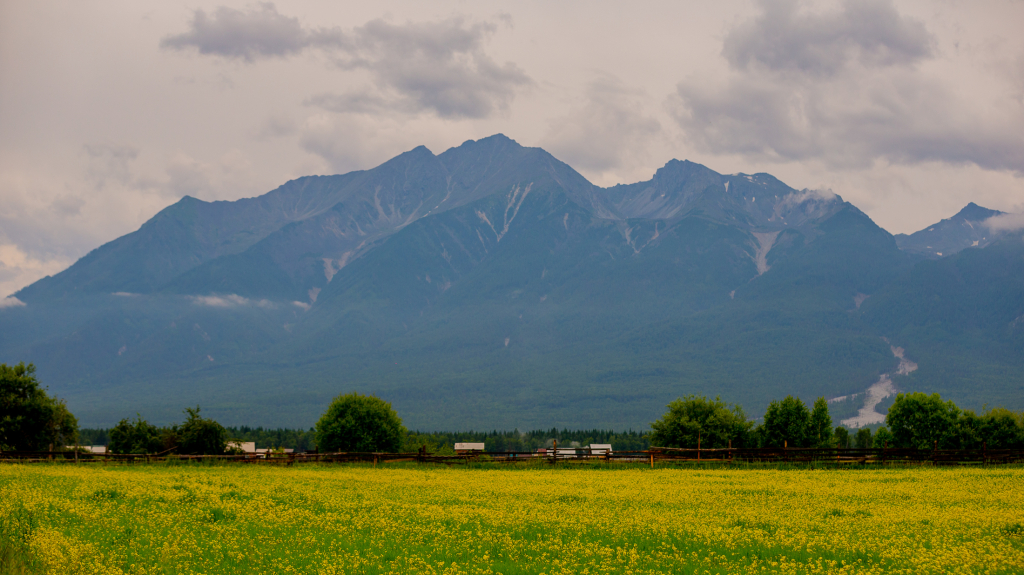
{"x":650,"y":456}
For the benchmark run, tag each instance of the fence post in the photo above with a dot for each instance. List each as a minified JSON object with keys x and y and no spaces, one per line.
{"x":652,"y":459}
{"x":935,"y":451}
{"x":698,"y":446}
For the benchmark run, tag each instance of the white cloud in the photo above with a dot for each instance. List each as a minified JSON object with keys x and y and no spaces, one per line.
{"x":797,"y":198}
{"x":607,"y":130}
{"x":11,"y":301}
{"x":847,"y":88}
{"x":230,"y":301}
{"x":260,"y":32}
{"x":438,"y":66}
{"x":67,"y":205}
{"x":1005,"y":222}
{"x":869,"y":32}
{"x":19,"y":268}
{"x":353,"y":142}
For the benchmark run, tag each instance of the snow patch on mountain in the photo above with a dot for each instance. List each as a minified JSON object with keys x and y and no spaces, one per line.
{"x":230,"y":301}
{"x":880,"y":390}
{"x":765,"y":241}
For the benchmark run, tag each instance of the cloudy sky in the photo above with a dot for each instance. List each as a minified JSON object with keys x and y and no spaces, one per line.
{"x":110,"y":111}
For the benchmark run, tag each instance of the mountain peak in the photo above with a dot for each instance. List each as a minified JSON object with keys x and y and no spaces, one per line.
{"x":497,"y":141}
{"x":950,"y":235}
{"x":683,"y":167}
{"x":975,"y":213}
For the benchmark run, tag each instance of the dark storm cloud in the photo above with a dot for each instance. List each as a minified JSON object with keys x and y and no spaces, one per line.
{"x":869,"y":31}
{"x":844,"y":88}
{"x":437,"y":66}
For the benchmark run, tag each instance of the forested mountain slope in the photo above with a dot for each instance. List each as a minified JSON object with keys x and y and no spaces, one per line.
{"x":492,"y":286}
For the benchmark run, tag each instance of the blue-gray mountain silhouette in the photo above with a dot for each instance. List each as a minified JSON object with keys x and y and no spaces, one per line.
{"x":492,"y":286}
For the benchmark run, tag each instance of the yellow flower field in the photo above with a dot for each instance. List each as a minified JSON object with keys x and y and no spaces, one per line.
{"x":359,"y":519}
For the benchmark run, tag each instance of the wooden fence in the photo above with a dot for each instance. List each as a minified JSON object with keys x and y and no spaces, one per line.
{"x":652,"y":456}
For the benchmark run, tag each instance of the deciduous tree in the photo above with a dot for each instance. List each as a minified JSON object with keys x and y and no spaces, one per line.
{"x":355,"y":422}
{"x":819,"y":431}
{"x":863,"y":438}
{"x":841,"y":437}
{"x":715,"y":422}
{"x":1003,"y":429}
{"x":883,"y":438}
{"x":200,"y":436}
{"x":786,"y":423}
{"x":919,"y":420}
{"x":137,"y":436}
{"x":31,"y":420}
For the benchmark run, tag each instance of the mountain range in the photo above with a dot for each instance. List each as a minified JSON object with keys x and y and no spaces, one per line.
{"x":493,"y":286}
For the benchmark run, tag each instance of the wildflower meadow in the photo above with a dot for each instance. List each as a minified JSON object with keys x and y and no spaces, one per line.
{"x":323,"y":519}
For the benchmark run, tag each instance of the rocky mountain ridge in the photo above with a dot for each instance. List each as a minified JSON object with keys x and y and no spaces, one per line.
{"x":492,"y":286}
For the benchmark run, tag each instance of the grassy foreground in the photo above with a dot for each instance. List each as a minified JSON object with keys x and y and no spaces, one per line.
{"x":331,"y":519}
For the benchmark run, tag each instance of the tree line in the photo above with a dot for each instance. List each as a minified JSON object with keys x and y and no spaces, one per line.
{"x":31,"y":420}
{"x":915,"y":420}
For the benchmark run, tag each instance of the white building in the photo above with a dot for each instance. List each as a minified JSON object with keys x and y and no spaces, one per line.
{"x":243,"y":446}
{"x":88,"y":448}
